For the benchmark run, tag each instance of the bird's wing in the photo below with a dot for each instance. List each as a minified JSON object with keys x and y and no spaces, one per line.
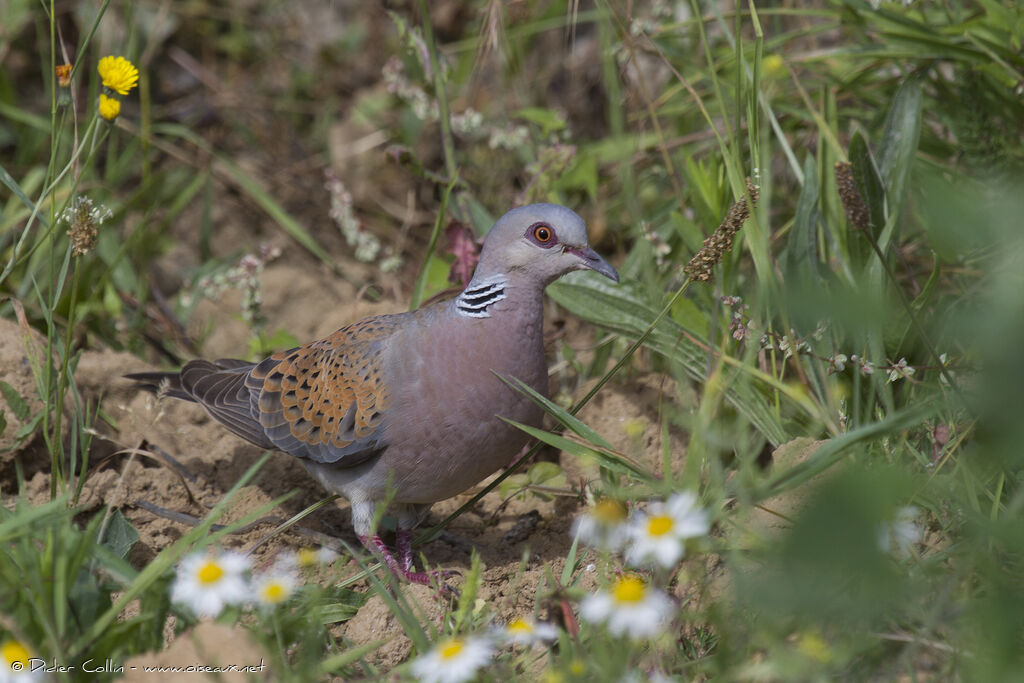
{"x":219,"y":386}
{"x":327,"y":400}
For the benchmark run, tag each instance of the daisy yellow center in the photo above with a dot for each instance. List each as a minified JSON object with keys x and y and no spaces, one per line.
{"x":609,"y":511}
{"x":520,"y":626}
{"x":629,"y":589}
{"x":210,"y":573}
{"x":659,"y":525}
{"x":274,"y":592}
{"x":12,"y":651}
{"x":451,"y":649}
{"x":307,"y":557}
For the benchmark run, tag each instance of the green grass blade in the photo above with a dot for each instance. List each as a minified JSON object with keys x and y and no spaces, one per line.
{"x":834,"y":449}
{"x":622,"y":309}
{"x":566,"y":419}
{"x":162,"y":563}
{"x":616,"y":462}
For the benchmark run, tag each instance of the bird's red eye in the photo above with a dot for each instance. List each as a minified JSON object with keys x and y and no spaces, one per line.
{"x":542,"y":235}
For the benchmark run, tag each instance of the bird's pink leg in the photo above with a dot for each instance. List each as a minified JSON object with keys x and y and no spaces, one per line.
{"x":403,"y":543}
{"x":402,"y":566}
{"x":401,"y":569}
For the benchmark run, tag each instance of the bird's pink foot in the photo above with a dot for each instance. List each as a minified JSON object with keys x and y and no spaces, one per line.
{"x":402,"y":567}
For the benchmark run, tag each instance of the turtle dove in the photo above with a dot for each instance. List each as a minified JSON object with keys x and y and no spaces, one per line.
{"x":406,"y":408}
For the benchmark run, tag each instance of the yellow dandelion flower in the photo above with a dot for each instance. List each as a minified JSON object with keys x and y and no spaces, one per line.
{"x":110,"y":108}
{"x":118,"y":74}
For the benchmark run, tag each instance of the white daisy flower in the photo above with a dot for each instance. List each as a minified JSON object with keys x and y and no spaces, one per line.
{"x":658,"y":535}
{"x":207,"y":583}
{"x":452,"y":660}
{"x":602,"y":526}
{"x":274,"y":587}
{"x":15,"y":663}
{"x":528,"y":631}
{"x":901,"y":533}
{"x":306,"y":557}
{"x":630,"y":607}
{"x":325,"y":555}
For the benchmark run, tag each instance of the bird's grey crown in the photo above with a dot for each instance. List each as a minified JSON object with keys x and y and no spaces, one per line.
{"x":568,"y":225}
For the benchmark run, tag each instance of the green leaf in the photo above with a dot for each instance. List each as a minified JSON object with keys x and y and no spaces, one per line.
{"x":18,"y":405}
{"x":113,"y":306}
{"x":512,"y":484}
{"x":29,"y":428}
{"x":686,"y":313}
{"x":922,"y":300}
{"x":899,"y":143}
{"x":12,"y":185}
{"x":347,"y":603}
{"x":581,"y":175}
{"x":541,"y":472}
{"x":119,"y":535}
{"x":548,"y":120}
{"x":802,"y":245}
{"x":688,"y":230}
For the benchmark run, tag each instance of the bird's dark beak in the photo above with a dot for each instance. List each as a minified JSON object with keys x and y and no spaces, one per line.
{"x":592,"y":260}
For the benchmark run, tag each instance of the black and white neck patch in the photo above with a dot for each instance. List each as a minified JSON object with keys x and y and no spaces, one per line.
{"x":477,"y":299}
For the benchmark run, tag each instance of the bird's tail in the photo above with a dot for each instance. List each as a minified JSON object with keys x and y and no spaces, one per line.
{"x":162,"y":384}
{"x":218,"y":386}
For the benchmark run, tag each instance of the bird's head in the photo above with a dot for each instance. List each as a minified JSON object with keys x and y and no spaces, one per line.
{"x":540,"y":243}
